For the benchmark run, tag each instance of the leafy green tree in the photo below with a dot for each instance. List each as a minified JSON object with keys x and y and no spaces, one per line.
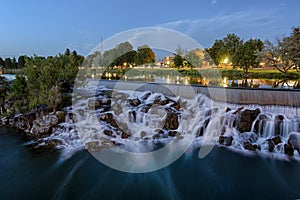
{"x":217,"y":52}
{"x":246,"y":54}
{"x":2,"y":63}
{"x":193,"y":59}
{"x":225,"y":48}
{"x":144,"y":55}
{"x":14,"y":63}
{"x":178,"y":61}
{"x":7,"y":63}
{"x":50,"y":77}
{"x":21,"y":62}
{"x":19,"y":94}
{"x":126,"y":59}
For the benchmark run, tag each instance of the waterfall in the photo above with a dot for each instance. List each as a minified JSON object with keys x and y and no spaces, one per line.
{"x":145,"y":120}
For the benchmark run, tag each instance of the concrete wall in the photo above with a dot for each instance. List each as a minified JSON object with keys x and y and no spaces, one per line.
{"x":260,"y":96}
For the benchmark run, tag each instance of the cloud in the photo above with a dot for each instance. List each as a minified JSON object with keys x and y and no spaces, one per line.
{"x":246,"y":24}
{"x":214,"y":2}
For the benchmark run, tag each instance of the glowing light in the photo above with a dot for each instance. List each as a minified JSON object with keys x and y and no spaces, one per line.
{"x":226,"y":60}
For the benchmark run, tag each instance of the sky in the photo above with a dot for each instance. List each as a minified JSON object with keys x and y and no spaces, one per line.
{"x":48,"y":27}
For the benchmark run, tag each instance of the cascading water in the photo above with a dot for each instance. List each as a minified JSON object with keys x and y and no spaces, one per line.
{"x":147,"y":121}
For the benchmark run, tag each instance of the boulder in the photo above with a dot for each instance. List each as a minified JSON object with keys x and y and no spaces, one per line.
{"x":278,"y":124}
{"x":173,"y":133}
{"x":98,"y":102}
{"x":134,"y":102}
{"x":251,"y":147}
{"x":245,"y":119}
{"x":288,"y":149}
{"x":117,"y":109}
{"x":161,"y":102}
{"x":171,"y":122}
{"x":44,"y":126}
{"x":260,"y":123}
{"x":294,"y":140}
{"x":225,"y":140}
{"x":61,"y":115}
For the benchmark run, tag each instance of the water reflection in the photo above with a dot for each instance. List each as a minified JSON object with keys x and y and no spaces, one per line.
{"x":174,"y":78}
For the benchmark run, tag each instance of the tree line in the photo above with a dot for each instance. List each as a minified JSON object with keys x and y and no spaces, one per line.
{"x":13,"y":63}
{"x":283,"y":55}
{"x":122,"y":55}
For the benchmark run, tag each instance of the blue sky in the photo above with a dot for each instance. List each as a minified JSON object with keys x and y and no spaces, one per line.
{"x":49,"y":27}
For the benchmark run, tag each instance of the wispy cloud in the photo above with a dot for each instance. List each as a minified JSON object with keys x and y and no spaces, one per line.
{"x":246,"y":24}
{"x":214,"y":2}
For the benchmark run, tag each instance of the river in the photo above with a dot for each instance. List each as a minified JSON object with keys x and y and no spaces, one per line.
{"x":222,"y":174}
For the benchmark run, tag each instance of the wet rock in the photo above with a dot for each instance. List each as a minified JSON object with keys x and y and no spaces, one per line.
{"x":200,"y":132}
{"x":225,"y":140}
{"x":44,"y":126}
{"x":260,"y":123}
{"x":93,"y":146}
{"x":120,"y":96}
{"x":107,"y":117}
{"x":132,"y":116}
{"x":279,"y":124}
{"x":173,"y":133}
{"x":134,"y":102}
{"x":272,"y":142}
{"x":271,"y":145}
{"x":61,"y":115}
{"x":276,"y":140}
{"x":125,"y":135}
{"x":238,"y":110}
{"x":294,"y":140}
{"x":228,"y":109}
{"x":143,"y":134}
{"x":175,"y":105}
{"x":108,"y":132}
{"x":4,"y":120}
{"x":288,"y":149}
{"x":117,"y":109}
{"x":98,"y":102}
{"x":146,"y":96}
{"x":107,"y":92}
{"x":161,"y":102}
{"x":159,"y":134}
{"x":171,"y":122}
{"x":251,"y":147}
{"x":245,"y":119}
{"x":146,"y":108}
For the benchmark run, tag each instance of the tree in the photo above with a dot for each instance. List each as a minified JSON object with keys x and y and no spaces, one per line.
{"x":178,"y":61}
{"x":19,"y":94}
{"x":7,"y":63}
{"x":231,"y":44}
{"x":217,"y":52}
{"x":193,"y":58}
{"x":126,"y":59}
{"x":47,"y":78}
{"x":14,"y":63}
{"x":2,"y":63}
{"x":285,"y":54}
{"x":21,"y":62}
{"x":224,"y":49}
{"x":246,"y":54}
{"x":144,"y":55}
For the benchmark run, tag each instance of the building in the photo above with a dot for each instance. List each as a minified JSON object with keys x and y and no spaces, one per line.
{"x":168,"y":61}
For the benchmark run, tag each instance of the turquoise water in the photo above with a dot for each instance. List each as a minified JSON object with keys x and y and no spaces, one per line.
{"x":220,"y":175}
